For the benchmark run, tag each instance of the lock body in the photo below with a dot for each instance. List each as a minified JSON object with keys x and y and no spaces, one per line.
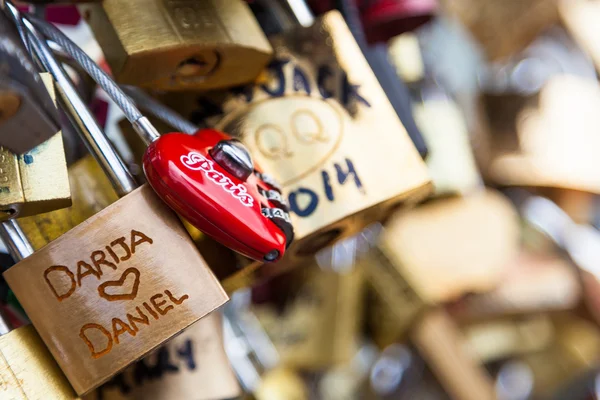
{"x":28,"y":116}
{"x":323,"y":127}
{"x":179,"y":44}
{"x":36,"y":181}
{"x":27,"y":369}
{"x":191,"y":365}
{"x":116,"y":287}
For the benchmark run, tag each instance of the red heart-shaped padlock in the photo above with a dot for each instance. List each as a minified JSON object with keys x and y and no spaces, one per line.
{"x":209,"y":179}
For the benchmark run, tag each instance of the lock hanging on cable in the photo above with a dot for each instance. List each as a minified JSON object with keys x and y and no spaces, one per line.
{"x":117,"y":286}
{"x":208,"y":178}
{"x":179,"y":44}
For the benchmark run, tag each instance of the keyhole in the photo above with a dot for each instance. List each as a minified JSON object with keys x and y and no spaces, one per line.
{"x":198,"y":66}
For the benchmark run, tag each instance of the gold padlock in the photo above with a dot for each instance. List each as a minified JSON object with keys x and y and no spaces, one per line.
{"x":115,"y":287}
{"x":36,"y":181}
{"x":318,"y":324}
{"x":324,"y":128}
{"x":27,"y":369}
{"x":192,"y":365}
{"x":179,"y":44}
{"x":437,"y":239}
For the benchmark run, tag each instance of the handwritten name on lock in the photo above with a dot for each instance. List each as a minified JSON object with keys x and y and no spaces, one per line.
{"x":302,"y":113}
{"x":90,"y":273}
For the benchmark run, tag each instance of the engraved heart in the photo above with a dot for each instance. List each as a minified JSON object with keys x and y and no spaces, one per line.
{"x":119,"y":290}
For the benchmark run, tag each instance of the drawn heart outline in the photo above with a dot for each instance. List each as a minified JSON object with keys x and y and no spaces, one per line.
{"x":123,"y":296}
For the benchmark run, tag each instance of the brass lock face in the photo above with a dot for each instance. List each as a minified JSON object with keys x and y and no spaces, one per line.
{"x":179,"y":44}
{"x":36,"y":181}
{"x":318,"y":325}
{"x":27,"y":369}
{"x":115,"y":287}
{"x":324,"y":128}
{"x":192,"y":365}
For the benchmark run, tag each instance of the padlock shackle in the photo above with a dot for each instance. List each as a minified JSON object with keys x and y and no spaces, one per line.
{"x":15,"y":240}
{"x":88,"y":128}
{"x":142,"y":126}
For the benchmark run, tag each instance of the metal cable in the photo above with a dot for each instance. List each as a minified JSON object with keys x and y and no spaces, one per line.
{"x":158,"y":110}
{"x":101,"y":77}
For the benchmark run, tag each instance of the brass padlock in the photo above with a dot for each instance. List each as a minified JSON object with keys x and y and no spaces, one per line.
{"x":179,"y":44}
{"x":324,"y":127}
{"x":314,"y":316}
{"x":117,"y":286}
{"x":36,"y":181}
{"x":192,"y":365}
{"x":437,"y":239}
{"x":27,"y":369}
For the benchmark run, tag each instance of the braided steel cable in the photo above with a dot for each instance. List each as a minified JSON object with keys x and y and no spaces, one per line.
{"x":104,"y":81}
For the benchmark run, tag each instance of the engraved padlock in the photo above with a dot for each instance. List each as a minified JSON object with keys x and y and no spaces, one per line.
{"x":28,"y":115}
{"x":116,"y":286}
{"x":179,"y":44}
{"x":27,"y":369}
{"x":324,"y":128}
{"x":192,"y":365}
{"x":208,"y":178}
{"x":35,"y":181}
{"x":312,"y":316}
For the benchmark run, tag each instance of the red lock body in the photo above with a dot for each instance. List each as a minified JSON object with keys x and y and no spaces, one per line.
{"x":183,"y":173}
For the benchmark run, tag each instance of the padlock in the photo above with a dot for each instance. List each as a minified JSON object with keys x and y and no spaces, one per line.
{"x":312,"y":316}
{"x":36,"y":181}
{"x":179,"y":44}
{"x":208,"y":178}
{"x":450,"y":158}
{"x":192,"y":365}
{"x":308,"y":127}
{"x":25,"y":105}
{"x":95,"y":317}
{"x":437,"y":239}
{"x":27,"y":369}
